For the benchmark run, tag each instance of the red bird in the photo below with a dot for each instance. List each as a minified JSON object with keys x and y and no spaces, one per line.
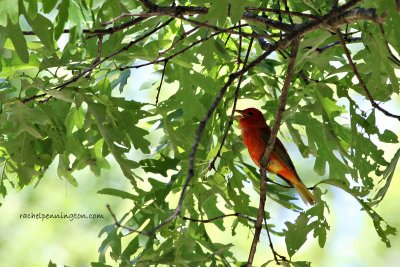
{"x":255,"y":133}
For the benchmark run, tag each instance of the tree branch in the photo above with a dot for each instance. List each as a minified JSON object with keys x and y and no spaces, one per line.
{"x":199,"y":133}
{"x":347,"y":39}
{"x":219,"y":29}
{"x":99,"y":32}
{"x":291,"y":13}
{"x":157,"y":60}
{"x":230,"y":122}
{"x":97,"y":63}
{"x":161,"y":82}
{"x":269,"y":48}
{"x":392,"y":57}
{"x":361,"y":80}
{"x":268,"y":150}
{"x":119,"y":225}
{"x":181,"y":38}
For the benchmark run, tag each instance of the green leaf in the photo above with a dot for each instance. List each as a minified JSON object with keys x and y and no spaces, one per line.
{"x":117,"y":193}
{"x":237,"y":8}
{"x":298,"y":233}
{"x":48,"y":5}
{"x":32,"y":8}
{"x":388,"y":177}
{"x":122,"y":80}
{"x":160,"y":166}
{"x":19,"y":42}
{"x":388,"y":137}
{"x":43,"y":28}
{"x":113,"y":241}
{"x":218,"y":11}
{"x":210,"y":207}
{"x":61,"y":19}
{"x":23,"y":119}
{"x":8,"y":11}
{"x":383,"y":229}
{"x":112,"y":137}
{"x":64,"y":170}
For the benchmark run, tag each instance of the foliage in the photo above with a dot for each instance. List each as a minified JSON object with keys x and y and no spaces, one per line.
{"x":64,"y":65}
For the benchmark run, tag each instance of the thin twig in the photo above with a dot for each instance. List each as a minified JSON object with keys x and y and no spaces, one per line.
{"x":98,"y":58}
{"x":268,"y":150}
{"x":307,"y":26}
{"x":119,"y":225}
{"x":181,"y":38}
{"x":224,"y":136}
{"x":287,"y":10}
{"x":89,"y":69}
{"x":117,"y":28}
{"x":348,"y":40}
{"x":271,"y":245}
{"x":157,"y":60}
{"x":392,"y":57}
{"x":361,"y":80}
{"x":161,"y":82}
{"x":239,"y":59}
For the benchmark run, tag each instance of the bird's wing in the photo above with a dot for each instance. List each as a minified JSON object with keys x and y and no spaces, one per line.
{"x":279,"y":150}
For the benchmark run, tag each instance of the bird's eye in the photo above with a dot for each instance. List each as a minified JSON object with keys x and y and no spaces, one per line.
{"x":251,"y":113}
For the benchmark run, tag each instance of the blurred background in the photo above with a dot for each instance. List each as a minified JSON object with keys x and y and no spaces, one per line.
{"x":351,"y":241}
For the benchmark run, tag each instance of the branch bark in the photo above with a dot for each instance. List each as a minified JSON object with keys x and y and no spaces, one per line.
{"x":361,"y":80}
{"x":268,"y":150}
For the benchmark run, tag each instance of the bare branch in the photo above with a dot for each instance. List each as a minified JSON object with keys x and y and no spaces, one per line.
{"x":268,"y":150}
{"x":361,"y":80}
{"x":161,"y":82}
{"x":89,"y":69}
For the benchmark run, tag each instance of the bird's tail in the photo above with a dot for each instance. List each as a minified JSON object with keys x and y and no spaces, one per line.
{"x":305,"y":194}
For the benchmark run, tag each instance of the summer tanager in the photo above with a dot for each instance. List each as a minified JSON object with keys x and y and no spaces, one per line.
{"x":255,"y":133}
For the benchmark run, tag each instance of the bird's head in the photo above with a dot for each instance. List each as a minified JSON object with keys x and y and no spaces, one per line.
{"x":250,"y":117}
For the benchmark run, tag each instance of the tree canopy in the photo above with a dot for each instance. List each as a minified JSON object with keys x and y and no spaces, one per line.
{"x":325,"y":74}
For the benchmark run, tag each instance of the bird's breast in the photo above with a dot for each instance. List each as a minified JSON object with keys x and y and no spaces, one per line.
{"x":254,"y":143}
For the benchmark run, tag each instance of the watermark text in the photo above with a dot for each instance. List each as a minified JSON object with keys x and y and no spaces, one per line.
{"x":61,"y":215}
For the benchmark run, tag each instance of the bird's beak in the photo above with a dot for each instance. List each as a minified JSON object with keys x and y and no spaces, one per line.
{"x":238,"y":117}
